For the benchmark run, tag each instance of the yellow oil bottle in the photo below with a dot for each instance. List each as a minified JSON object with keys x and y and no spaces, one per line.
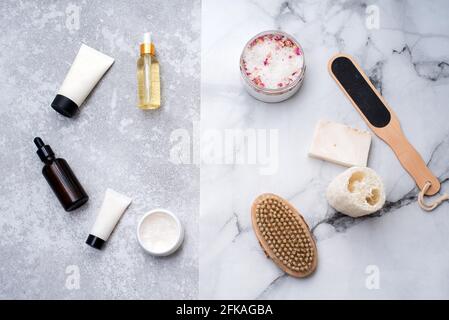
{"x":148,"y":77}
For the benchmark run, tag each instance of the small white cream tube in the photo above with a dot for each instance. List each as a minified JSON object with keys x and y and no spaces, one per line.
{"x":87,"y":69}
{"x":114,"y":204}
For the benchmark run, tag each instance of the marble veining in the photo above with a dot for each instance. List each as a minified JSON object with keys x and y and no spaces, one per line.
{"x":406,"y":58}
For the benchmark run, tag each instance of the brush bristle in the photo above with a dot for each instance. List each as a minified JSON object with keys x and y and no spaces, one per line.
{"x":285,"y":235}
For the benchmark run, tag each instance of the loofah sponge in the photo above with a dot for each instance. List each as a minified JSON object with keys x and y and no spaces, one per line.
{"x":356,"y":192}
{"x":284,"y":235}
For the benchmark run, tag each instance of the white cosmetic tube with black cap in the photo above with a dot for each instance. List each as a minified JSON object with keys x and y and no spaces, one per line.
{"x":114,"y":205}
{"x":87,"y":69}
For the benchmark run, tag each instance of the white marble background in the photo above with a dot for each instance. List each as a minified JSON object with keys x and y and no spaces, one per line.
{"x":407,"y":59}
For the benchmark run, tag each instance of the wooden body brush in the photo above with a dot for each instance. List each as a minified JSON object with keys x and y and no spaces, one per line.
{"x":284,"y":235}
{"x":381,"y":119}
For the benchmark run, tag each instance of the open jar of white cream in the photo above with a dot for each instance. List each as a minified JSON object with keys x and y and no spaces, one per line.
{"x":160,"y":232}
{"x":272,"y":66}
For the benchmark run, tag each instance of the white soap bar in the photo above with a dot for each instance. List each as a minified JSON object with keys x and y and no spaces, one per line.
{"x":340,"y":144}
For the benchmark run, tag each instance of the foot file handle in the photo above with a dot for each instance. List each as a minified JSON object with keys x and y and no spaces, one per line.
{"x":380,"y":118}
{"x":411,"y":161}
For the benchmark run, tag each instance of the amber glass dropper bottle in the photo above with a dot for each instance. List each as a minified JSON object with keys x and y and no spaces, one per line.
{"x":61,"y":178}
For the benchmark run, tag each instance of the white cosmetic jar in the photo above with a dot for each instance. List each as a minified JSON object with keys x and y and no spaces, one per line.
{"x":160,"y":233}
{"x":276,"y":57}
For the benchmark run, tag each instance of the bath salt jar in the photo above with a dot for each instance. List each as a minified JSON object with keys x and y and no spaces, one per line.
{"x":272,"y":66}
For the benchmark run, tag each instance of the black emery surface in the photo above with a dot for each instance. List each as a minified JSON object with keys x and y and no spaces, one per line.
{"x":361,"y":92}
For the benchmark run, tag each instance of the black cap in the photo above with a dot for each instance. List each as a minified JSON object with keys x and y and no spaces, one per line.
{"x":95,"y":242}
{"x":64,"y":106}
{"x":44,"y":151}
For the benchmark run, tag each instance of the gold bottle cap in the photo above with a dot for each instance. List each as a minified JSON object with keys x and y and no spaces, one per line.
{"x":147,"y":48}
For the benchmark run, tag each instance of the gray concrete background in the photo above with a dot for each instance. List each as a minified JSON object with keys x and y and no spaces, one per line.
{"x":111,"y":143}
